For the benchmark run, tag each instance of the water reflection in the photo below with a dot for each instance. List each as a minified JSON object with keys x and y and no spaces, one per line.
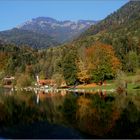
{"x":102,"y":114}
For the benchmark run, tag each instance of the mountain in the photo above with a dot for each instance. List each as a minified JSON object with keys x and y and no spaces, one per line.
{"x":43,"y":32}
{"x":122,"y":26}
{"x":123,"y":18}
{"x":125,"y":15}
{"x":25,"y":37}
{"x":120,"y":29}
{"x":61,"y":31}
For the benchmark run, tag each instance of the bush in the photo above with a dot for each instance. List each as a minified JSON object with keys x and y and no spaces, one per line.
{"x":24,"y":81}
{"x":121,"y":82}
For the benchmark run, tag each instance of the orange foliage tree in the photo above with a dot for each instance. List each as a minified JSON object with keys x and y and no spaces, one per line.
{"x":101,"y":63}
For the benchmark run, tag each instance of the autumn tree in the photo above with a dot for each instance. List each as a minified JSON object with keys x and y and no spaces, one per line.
{"x":83,"y":73}
{"x":102,"y":62}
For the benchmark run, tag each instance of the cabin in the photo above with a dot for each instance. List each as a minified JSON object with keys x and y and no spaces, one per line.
{"x":8,"y":80}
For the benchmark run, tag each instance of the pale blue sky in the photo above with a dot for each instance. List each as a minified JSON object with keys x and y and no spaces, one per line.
{"x":15,"y":12}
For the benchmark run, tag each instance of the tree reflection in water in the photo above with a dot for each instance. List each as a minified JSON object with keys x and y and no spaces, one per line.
{"x":106,"y":115}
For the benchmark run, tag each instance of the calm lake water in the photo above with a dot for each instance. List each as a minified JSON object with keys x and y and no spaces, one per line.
{"x":66,"y":114}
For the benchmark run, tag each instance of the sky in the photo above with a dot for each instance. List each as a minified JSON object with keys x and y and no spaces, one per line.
{"x":16,"y":12}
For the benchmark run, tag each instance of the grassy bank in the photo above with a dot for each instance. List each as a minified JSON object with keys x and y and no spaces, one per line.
{"x":133,"y":83}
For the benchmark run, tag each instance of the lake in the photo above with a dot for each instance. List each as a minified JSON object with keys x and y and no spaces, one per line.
{"x":65,"y":114}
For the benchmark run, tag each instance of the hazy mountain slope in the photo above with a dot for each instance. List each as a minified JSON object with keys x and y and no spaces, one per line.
{"x":61,"y":31}
{"x":25,"y":37}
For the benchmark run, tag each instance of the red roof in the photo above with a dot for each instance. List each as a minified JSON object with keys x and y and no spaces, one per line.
{"x":46,"y":82}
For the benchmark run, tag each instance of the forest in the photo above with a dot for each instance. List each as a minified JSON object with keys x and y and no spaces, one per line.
{"x":69,"y":63}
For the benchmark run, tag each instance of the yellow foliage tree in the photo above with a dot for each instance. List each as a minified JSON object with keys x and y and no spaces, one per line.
{"x":83,"y":73}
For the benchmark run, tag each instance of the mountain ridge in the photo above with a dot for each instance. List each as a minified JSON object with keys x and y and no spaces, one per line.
{"x":119,"y":17}
{"x":43,"y":32}
{"x":62,"y":31}
{"x":120,"y":29}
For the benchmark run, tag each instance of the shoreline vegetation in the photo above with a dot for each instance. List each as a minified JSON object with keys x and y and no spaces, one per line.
{"x":132,"y":81}
{"x":109,"y":86}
